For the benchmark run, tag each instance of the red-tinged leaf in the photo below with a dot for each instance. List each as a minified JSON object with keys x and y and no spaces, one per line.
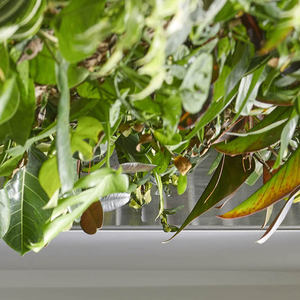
{"x":252,"y":143}
{"x":279,"y":186}
{"x":229,"y":175}
{"x":92,"y":218}
{"x":276,"y":99}
{"x":277,"y":36}
{"x":266,"y":173}
{"x":278,"y":220}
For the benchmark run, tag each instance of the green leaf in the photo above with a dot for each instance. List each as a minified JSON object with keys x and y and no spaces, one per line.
{"x":247,"y":93}
{"x":280,"y":185}
{"x":76,"y":75}
{"x":18,"y":150}
{"x":49,"y":177}
{"x":182,"y":184}
{"x":73,"y":20}
{"x":243,"y":53}
{"x":259,"y":141}
{"x":9,"y":100}
{"x":215,"y":109}
{"x":4,"y":212}
{"x":42,"y":67}
{"x":22,"y":121}
{"x":286,"y":136}
{"x":215,"y":163}
{"x":7,"y":168}
{"x":110,"y":184}
{"x":87,"y":128}
{"x":63,"y":145}
{"x":195,"y":86}
{"x":259,"y":131}
{"x":228,"y":177}
{"x":27,"y":199}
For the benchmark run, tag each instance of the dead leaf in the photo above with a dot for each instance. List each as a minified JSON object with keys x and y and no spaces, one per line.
{"x":145,"y":138}
{"x":92,"y":218}
{"x":31,"y":50}
{"x":182,"y":164}
{"x":138,"y":127}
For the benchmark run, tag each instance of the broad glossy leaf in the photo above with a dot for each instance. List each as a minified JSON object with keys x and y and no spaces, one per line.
{"x":280,"y":185}
{"x":4,"y":212}
{"x":92,"y":219}
{"x":114,"y":201}
{"x":259,"y":141}
{"x":27,"y":199}
{"x":134,"y":167}
{"x":228,"y":177}
{"x":73,"y":20}
{"x":63,"y":145}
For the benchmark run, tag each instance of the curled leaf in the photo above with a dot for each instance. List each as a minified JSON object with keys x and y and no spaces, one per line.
{"x":145,"y":138}
{"x":182,"y":164}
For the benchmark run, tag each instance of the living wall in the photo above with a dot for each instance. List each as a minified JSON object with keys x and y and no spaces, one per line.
{"x":159,"y":83}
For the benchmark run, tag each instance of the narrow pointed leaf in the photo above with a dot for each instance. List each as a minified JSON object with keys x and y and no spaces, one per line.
{"x":278,"y":220}
{"x":92,"y":218}
{"x":219,"y":187}
{"x":258,"y":141}
{"x":279,"y":186}
{"x":114,"y":201}
{"x":27,"y":199}
{"x":134,"y":167}
{"x":64,"y":154}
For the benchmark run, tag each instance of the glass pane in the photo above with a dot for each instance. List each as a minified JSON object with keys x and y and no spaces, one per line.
{"x":127,"y":217}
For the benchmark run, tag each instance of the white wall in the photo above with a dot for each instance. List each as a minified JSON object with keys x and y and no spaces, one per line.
{"x":135,"y":265}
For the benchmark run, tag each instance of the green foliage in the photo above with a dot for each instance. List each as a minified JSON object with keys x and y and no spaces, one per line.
{"x":159,"y":83}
